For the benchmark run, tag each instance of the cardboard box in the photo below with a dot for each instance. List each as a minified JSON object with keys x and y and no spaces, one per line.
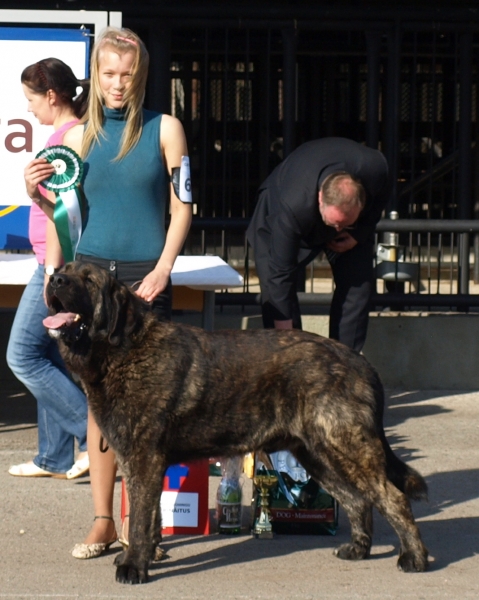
{"x":298,"y":505}
{"x":184,"y":501}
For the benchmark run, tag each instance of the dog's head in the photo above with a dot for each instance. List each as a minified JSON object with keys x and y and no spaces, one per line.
{"x":87,"y":304}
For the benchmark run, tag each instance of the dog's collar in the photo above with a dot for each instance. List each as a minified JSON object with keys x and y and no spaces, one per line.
{"x":73,"y":335}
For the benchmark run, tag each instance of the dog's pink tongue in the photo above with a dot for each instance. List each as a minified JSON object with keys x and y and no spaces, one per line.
{"x":59,"y":320}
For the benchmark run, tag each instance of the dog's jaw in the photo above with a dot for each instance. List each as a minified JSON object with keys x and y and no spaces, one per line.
{"x":65,"y":325}
{"x":65,"y":321}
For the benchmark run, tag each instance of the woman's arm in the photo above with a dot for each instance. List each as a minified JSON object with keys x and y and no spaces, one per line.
{"x":173,"y":144}
{"x":53,"y":253}
{"x":40,"y":169}
{"x":73,"y":137}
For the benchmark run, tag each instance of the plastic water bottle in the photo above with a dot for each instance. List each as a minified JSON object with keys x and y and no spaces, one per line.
{"x":228,"y":496}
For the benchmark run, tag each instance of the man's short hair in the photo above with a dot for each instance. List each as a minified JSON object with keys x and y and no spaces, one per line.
{"x":342,"y":189}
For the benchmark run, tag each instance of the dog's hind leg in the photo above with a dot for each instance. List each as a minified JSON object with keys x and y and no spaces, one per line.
{"x":395,"y":507}
{"x":145,"y":524}
{"x":357,"y":508}
{"x":357,"y":488}
{"x":365,"y":470}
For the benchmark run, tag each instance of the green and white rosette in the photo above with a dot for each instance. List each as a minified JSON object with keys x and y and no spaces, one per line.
{"x":66,"y":184}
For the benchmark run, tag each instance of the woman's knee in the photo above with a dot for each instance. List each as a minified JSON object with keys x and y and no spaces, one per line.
{"x":15,"y":358}
{"x":23,"y":362}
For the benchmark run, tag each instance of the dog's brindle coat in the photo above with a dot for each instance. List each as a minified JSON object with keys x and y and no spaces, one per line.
{"x":164,"y":393}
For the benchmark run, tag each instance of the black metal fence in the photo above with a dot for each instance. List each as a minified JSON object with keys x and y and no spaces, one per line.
{"x":420,"y":264}
{"x":251,"y":84}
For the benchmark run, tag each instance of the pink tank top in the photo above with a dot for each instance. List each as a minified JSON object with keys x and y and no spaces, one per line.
{"x":38,"y":219}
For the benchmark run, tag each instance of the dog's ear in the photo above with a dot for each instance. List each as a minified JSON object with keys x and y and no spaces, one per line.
{"x":125,"y":317}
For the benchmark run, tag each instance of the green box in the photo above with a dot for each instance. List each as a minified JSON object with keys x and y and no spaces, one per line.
{"x":298,"y":505}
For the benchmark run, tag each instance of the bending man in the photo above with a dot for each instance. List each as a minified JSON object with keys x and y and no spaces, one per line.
{"x":327,"y":196}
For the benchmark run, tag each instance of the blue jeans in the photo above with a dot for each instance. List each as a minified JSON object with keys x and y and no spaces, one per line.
{"x":35,"y":360}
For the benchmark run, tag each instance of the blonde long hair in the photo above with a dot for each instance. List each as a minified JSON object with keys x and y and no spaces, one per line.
{"x":121,"y":41}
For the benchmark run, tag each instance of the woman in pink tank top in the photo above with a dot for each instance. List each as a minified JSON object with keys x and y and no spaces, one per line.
{"x":57,"y":98}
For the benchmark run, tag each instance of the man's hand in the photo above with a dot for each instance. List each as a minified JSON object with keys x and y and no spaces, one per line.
{"x":284,"y":324}
{"x":342,"y":242}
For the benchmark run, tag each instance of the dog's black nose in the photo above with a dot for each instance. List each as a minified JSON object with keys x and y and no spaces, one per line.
{"x":58,"y":280}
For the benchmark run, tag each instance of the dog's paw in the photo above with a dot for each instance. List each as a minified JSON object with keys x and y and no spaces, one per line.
{"x":119,"y":559}
{"x":351,"y":551}
{"x":131,"y":575}
{"x":159,"y":554}
{"x":412,"y":563}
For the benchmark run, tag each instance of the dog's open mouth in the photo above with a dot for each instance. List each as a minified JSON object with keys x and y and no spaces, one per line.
{"x":62,"y":321}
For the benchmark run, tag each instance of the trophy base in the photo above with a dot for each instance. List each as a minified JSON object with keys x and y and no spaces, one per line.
{"x":263,"y":535}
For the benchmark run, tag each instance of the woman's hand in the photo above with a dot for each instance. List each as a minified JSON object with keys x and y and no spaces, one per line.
{"x":35,"y":172}
{"x":153,"y":284}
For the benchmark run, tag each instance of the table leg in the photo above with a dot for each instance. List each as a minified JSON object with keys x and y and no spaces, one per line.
{"x":209,"y":310}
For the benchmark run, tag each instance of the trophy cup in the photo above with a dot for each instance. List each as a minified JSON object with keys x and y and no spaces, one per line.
{"x":262,"y":528}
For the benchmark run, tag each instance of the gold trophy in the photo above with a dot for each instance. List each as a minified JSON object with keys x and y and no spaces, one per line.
{"x":262,"y":528}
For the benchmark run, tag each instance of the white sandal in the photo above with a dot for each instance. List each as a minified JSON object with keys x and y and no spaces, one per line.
{"x":80,"y":467}
{"x":30,"y":469}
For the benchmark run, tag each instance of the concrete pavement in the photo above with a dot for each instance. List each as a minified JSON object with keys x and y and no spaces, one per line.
{"x":435,"y":431}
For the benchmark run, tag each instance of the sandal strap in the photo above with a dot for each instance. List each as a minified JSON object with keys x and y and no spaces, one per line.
{"x":103,"y":517}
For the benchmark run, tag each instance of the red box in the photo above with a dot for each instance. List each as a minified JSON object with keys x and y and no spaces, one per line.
{"x":184,"y":501}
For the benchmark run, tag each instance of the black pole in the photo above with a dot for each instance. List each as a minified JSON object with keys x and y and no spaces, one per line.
{"x":465,"y":153}
{"x":392,"y":111}
{"x":204,"y":126}
{"x":465,"y":126}
{"x":373,"y":43}
{"x":159,"y":80}
{"x":289,"y":90}
{"x":263,"y":98}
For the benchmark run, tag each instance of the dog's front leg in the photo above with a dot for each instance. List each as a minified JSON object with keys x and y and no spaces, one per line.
{"x":145,"y":523}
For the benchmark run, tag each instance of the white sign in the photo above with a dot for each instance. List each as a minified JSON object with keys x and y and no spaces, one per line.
{"x":179,"y":509}
{"x":21,"y":136}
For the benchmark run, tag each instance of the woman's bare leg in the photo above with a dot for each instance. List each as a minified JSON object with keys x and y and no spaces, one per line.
{"x":102,"y":478}
{"x":126,"y":517}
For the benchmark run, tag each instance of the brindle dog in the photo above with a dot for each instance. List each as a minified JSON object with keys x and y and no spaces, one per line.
{"x":164,"y":393}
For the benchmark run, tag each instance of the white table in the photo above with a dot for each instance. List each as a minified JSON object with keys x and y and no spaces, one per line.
{"x":205,"y":273}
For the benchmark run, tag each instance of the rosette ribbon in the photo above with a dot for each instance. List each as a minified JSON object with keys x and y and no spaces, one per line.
{"x":70,"y":201}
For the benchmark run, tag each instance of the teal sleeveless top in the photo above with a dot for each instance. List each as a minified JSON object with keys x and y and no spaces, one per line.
{"x":126,"y":199}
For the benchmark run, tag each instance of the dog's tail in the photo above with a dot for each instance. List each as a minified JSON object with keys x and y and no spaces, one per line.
{"x":405,"y":478}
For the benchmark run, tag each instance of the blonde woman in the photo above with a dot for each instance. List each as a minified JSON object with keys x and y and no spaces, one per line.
{"x":130,"y":156}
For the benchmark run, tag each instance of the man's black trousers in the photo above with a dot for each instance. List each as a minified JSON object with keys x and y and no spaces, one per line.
{"x":353,"y":274}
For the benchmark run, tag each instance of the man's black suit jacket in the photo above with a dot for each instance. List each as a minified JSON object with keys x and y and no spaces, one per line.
{"x":287,"y":225}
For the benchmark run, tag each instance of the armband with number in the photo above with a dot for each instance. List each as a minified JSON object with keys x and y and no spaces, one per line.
{"x":181,"y":180}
